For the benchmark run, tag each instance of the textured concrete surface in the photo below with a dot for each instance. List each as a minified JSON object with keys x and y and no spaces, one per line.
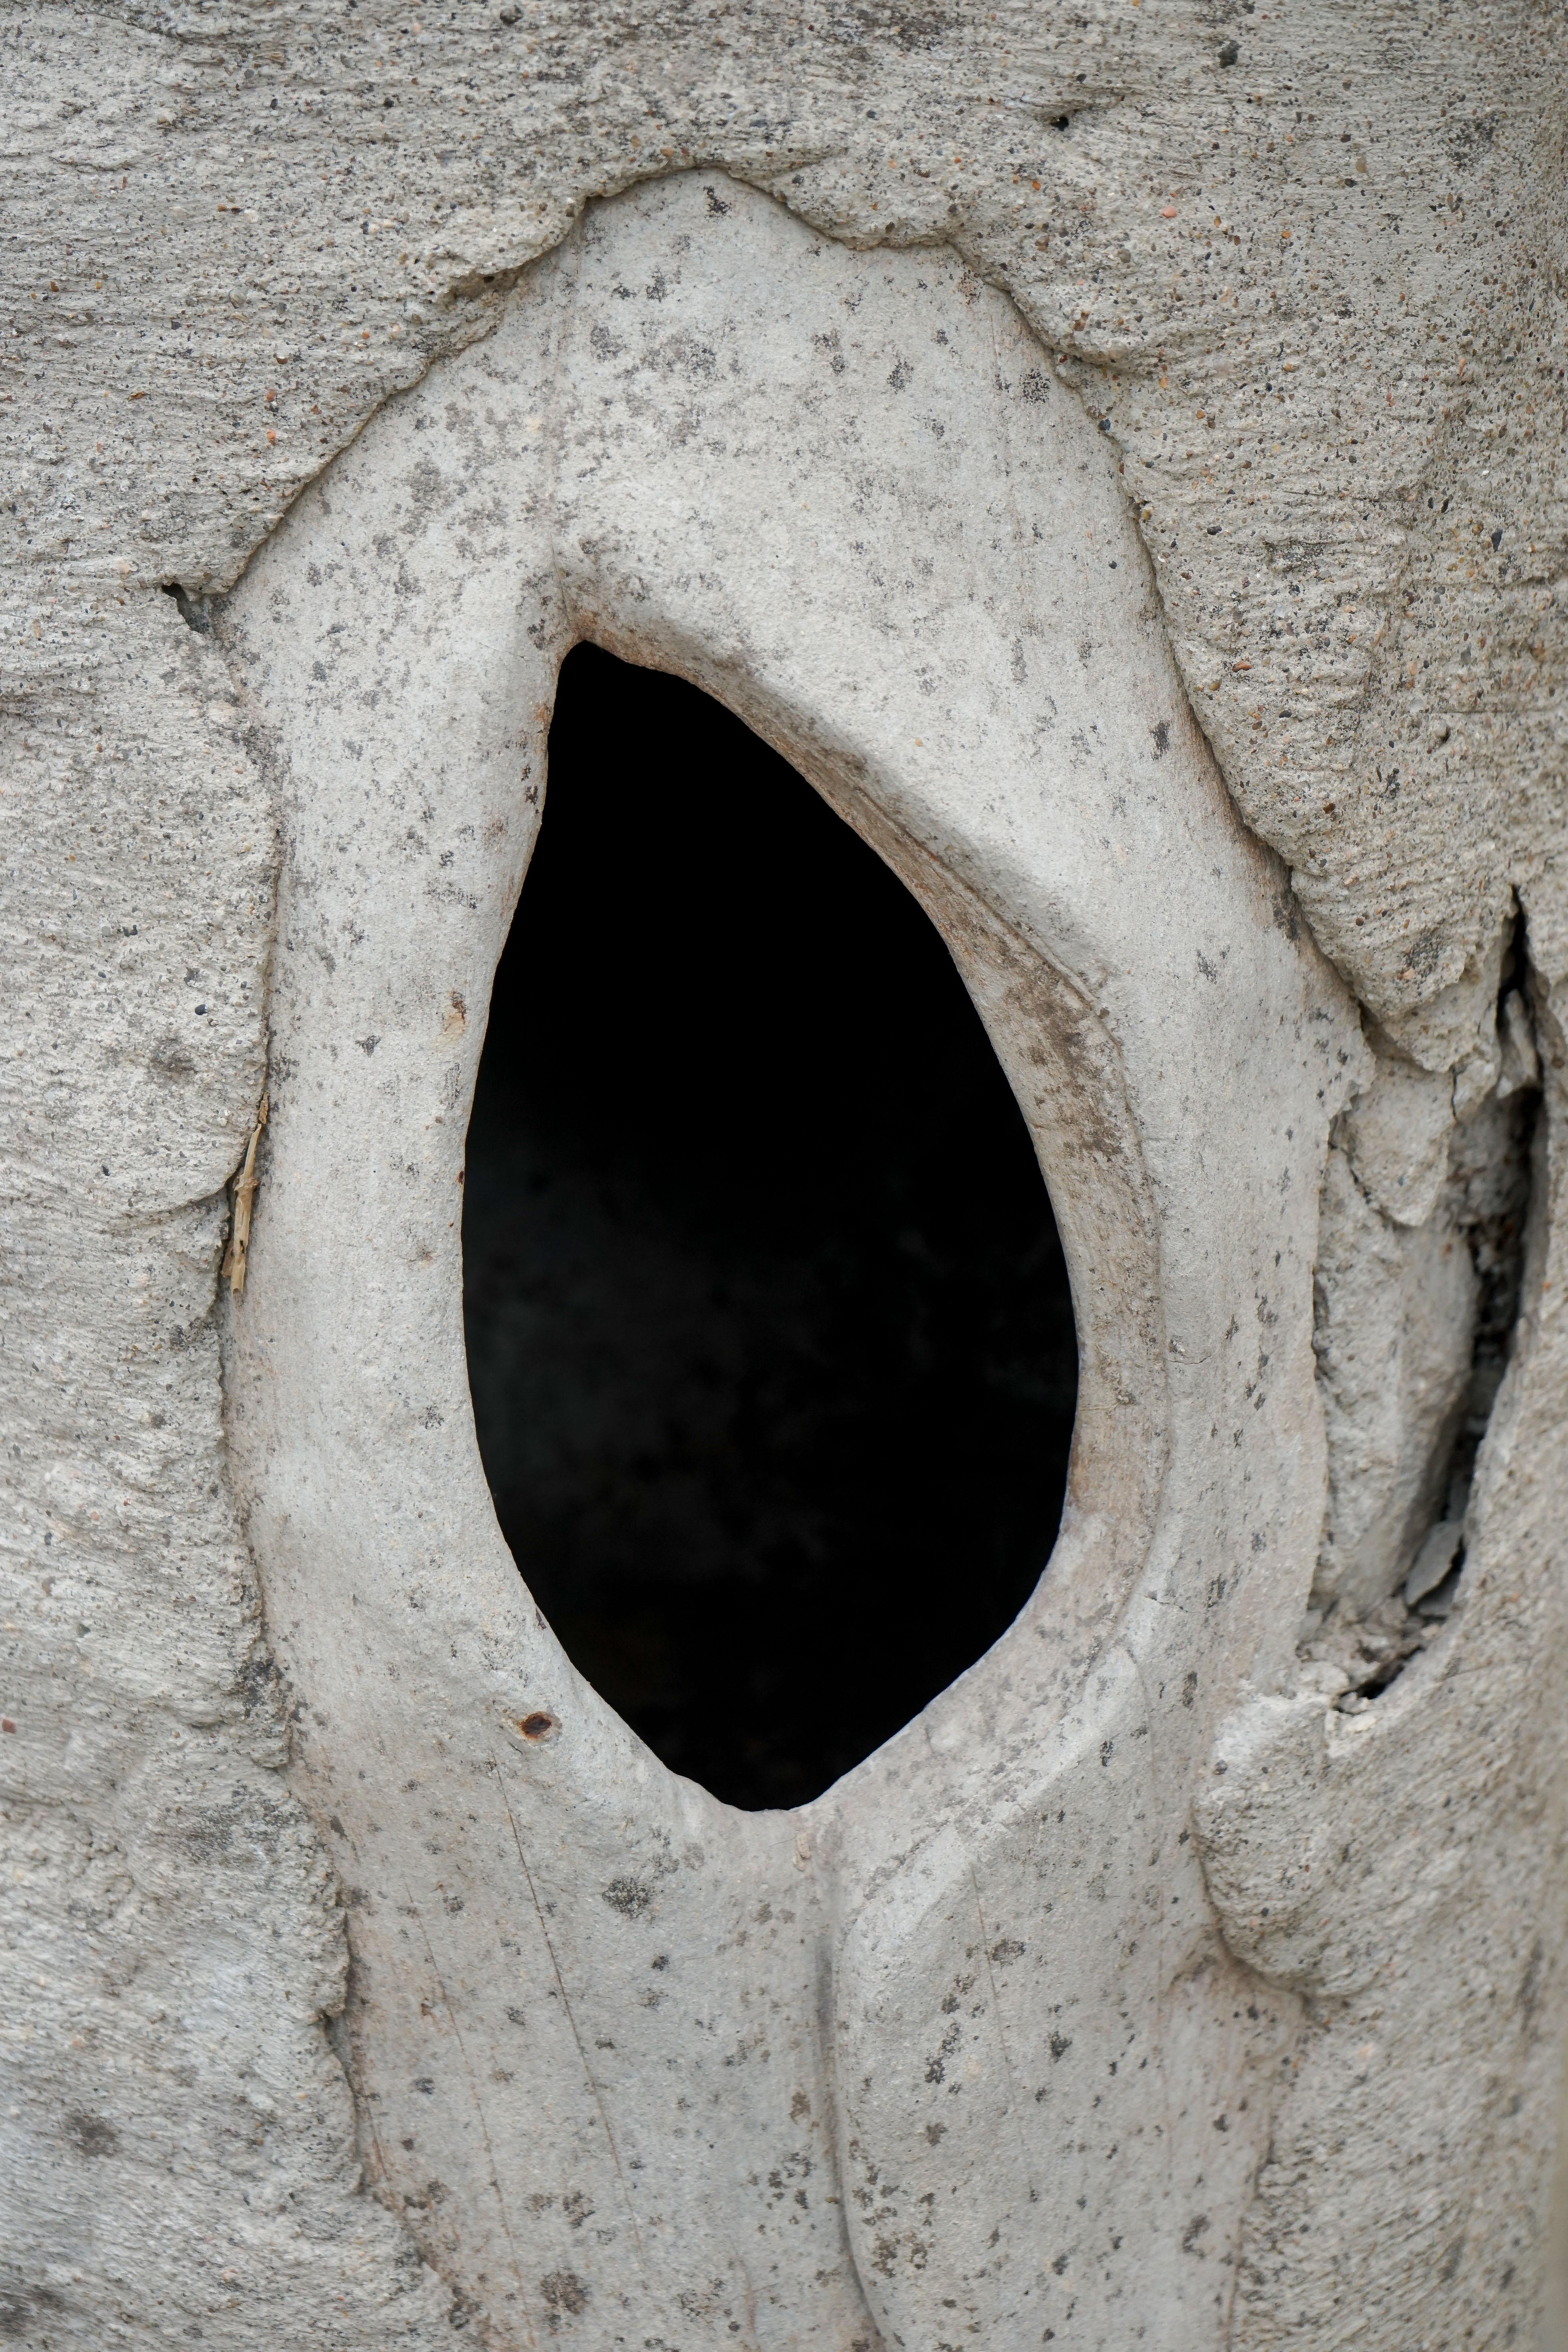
{"x":1305,"y":272}
{"x":835,"y":488}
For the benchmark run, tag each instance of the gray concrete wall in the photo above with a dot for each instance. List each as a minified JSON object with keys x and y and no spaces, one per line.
{"x":1297,"y":279}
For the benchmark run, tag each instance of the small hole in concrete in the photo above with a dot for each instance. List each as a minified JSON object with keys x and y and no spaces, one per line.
{"x":769,"y":1333}
{"x":195,"y":611}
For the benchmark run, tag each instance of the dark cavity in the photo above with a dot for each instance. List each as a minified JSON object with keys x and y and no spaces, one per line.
{"x":769,"y":1333}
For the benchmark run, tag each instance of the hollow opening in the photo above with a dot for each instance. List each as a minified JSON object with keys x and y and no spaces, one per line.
{"x":769,"y":1333}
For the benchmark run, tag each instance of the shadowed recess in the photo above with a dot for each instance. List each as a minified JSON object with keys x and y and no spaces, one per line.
{"x":769,"y":1331}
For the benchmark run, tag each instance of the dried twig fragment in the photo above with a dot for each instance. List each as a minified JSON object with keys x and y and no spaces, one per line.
{"x":245,"y":1185}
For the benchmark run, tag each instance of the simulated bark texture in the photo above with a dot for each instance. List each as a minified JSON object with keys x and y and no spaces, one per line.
{"x":1118,"y":457}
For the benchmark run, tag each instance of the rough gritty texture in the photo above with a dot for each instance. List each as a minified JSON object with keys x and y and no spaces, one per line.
{"x":1315,"y":294}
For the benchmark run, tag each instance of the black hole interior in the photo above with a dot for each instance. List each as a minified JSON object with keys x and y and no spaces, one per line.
{"x":769,"y":1333}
